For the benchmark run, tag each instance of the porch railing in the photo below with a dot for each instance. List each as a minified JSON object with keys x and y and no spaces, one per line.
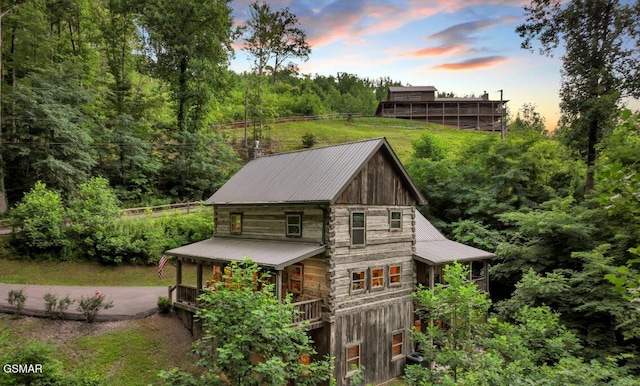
{"x":308,"y":311}
{"x":481,"y":282}
{"x":187,"y":294}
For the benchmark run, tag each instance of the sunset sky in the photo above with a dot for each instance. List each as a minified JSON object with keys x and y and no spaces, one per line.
{"x":463,"y":46}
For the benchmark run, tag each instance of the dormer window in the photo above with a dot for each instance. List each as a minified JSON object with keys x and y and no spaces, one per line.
{"x":235,"y":226}
{"x":293,"y":224}
{"x":358,"y":229}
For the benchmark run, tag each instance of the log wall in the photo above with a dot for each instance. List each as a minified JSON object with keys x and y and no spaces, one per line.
{"x":268,"y":222}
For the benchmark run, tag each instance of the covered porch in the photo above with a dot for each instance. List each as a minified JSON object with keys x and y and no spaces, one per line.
{"x":295,"y":268}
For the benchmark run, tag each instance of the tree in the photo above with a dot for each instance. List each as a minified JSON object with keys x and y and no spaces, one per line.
{"x":248,"y":337}
{"x":274,"y":35}
{"x":475,"y":348}
{"x":600,"y":63}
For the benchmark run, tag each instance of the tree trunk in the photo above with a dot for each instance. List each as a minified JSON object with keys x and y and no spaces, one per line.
{"x":592,"y":140}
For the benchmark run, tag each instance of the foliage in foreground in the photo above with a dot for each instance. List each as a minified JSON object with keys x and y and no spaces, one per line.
{"x":248,"y":338}
{"x":535,"y":349}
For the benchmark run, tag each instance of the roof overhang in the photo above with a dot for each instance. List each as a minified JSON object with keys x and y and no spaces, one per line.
{"x":273,"y":254}
{"x":439,"y":252}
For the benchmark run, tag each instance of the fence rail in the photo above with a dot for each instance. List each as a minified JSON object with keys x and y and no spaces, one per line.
{"x":239,"y":125}
{"x":187,"y":206}
{"x":309,"y":311}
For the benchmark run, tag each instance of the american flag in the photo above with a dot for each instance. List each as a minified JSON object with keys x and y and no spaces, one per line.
{"x":161,"y":263}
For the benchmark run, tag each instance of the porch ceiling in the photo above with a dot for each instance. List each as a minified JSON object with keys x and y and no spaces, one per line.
{"x":274,"y":254}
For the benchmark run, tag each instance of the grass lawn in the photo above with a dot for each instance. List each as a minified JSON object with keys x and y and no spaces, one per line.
{"x":121,"y":353}
{"x":89,"y":274}
{"x":399,"y":132}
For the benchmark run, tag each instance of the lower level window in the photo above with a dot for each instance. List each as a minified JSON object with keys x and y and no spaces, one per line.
{"x":353,"y":358}
{"x":397,"y":339}
{"x":358,"y":281}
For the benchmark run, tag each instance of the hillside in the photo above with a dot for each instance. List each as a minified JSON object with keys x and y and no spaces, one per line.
{"x":400,"y":134}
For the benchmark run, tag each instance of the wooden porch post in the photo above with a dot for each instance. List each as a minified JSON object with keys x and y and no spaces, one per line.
{"x":179,"y":272}
{"x":432,"y":276}
{"x":279,"y":284}
{"x":199,"y":278}
{"x":485,"y":272}
{"x":471,"y":271}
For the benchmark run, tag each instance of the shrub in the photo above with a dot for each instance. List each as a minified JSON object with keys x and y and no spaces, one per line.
{"x":164,"y":304}
{"x":308,"y":140}
{"x":93,"y":305}
{"x":430,"y":147}
{"x":56,"y":308}
{"x":40,"y":215}
{"x":17,"y":298}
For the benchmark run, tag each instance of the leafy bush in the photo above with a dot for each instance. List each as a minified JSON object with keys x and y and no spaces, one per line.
{"x":17,"y":298}
{"x":164,"y":304}
{"x":308,"y":140}
{"x":56,"y":308}
{"x":93,"y":305}
{"x":429,"y":146}
{"x":40,"y":216}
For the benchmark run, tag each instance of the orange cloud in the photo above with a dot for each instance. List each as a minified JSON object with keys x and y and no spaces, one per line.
{"x":431,"y":51}
{"x":471,"y":64}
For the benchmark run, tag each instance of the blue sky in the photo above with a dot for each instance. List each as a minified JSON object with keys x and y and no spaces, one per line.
{"x":465,"y":46}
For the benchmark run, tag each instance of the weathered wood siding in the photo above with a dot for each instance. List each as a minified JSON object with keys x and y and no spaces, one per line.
{"x":383,"y":249}
{"x":414,"y":96}
{"x":268,"y":222}
{"x":372,"y":327}
{"x":315,"y":281}
{"x":370,"y":317}
{"x":378,"y":183}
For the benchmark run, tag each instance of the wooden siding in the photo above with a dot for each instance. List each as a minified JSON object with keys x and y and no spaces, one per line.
{"x":384,"y":248}
{"x":417,"y":96}
{"x":378,"y":183}
{"x":315,"y":281}
{"x":268,"y":222}
{"x":372,"y":328}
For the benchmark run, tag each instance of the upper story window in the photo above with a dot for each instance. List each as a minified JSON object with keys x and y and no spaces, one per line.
{"x":358,"y":281}
{"x":394,"y":275}
{"x":293,"y":224}
{"x":377,"y":278}
{"x":235,"y":226}
{"x":358,"y":229}
{"x":395,"y":220}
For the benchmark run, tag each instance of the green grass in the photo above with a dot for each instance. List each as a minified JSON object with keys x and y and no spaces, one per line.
{"x":120,"y":353}
{"x":89,"y":274}
{"x":399,"y":132}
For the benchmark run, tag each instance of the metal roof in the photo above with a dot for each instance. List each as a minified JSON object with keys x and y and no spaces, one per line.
{"x":274,"y":254}
{"x":312,"y":175}
{"x":412,"y":88}
{"x":434,"y":249}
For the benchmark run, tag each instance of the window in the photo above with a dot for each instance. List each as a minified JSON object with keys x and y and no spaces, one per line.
{"x":394,"y":275}
{"x":395,"y":220}
{"x":295,"y":278}
{"x":377,"y":278}
{"x":294,"y":224}
{"x":235,"y":227}
{"x":358,"y":281}
{"x":353,"y":358}
{"x":358,"y":229}
{"x":397,"y":340}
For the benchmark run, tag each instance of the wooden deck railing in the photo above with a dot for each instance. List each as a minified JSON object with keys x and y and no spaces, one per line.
{"x":187,"y":294}
{"x":481,"y":282}
{"x":308,"y":311}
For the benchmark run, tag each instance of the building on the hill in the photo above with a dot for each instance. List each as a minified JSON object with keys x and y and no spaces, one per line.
{"x":338,"y":228}
{"x":422,"y":103}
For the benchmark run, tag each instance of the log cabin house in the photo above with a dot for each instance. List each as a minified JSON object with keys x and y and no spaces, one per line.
{"x":422,"y":103}
{"x":338,"y":228}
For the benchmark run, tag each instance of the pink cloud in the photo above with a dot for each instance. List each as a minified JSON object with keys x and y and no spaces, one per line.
{"x":471,"y":64}
{"x":432,"y":51}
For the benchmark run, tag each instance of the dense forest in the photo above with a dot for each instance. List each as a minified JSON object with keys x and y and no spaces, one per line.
{"x":117,"y":101}
{"x":133,"y":91}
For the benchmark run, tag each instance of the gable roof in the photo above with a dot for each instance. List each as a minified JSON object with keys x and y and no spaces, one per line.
{"x":434,"y":249}
{"x":313,"y":175}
